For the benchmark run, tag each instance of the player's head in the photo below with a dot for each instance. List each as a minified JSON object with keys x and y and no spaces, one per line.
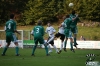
{"x":73,"y":12}
{"x":39,"y":22}
{"x":11,"y":16}
{"x":49,"y":24}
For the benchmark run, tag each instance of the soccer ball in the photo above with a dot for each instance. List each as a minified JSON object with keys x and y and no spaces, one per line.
{"x":71,"y":4}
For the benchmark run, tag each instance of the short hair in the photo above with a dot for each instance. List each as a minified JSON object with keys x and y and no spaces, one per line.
{"x":12,"y":16}
{"x":39,"y":22}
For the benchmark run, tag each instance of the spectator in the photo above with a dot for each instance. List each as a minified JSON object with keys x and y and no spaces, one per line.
{"x":82,"y":38}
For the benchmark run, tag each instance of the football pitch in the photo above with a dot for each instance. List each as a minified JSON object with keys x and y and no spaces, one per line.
{"x":64,"y":59}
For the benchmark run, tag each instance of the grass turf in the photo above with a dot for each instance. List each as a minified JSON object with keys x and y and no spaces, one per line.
{"x":64,"y":59}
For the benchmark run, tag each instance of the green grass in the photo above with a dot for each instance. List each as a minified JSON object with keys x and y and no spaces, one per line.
{"x":64,"y":59}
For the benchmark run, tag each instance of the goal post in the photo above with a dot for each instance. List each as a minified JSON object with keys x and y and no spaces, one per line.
{"x":3,"y":37}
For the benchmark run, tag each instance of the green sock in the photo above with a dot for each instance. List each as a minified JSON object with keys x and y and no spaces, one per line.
{"x":46,"y":49}
{"x":65,"y":44}
{"x":71,"y":45}
{"x":74,"y":41}
{"x":34,"y":48}
{"x":5,"y":49}
{"x":17,"y":49}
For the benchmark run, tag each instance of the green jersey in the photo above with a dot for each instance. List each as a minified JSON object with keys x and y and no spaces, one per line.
{"x":74,"y":23}
{"x":10,"y":26}
{"x":67,"y":23}
{"x":38,"y":31}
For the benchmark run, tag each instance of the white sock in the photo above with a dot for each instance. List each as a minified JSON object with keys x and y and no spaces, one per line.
{"x":49,"y":47}
{"x":52,"y":38}
{"x":55,"y":48}
{"x":61,"y":46}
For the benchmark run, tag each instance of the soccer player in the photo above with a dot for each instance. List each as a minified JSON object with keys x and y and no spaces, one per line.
{"x":68,"y":33}
{"x":73,"y":26}
{"x":61,"y":33}
{"x":50,"y":30}
{"x":38,"y":33}
{"x":10,"y":29}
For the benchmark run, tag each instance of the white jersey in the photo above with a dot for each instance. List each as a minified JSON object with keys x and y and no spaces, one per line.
{"x":50,"y":30}
{"x":61,"y":29}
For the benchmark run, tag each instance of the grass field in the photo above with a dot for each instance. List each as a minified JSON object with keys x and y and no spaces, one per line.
{"x":64,"y":59}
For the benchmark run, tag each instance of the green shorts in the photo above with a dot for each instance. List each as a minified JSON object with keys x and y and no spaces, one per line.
{"x":68,"y":33}
{"x":11,"y":37}
{"x":74,"y":30}
{"x":38,"y":39}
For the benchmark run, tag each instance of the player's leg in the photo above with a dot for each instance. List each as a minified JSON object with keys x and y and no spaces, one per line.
{"x":65,"y":43}
{"x":49,"y":47}
{"x":75,"y":36}
{"x":8,"y":40}
{"x":71,"y":41}
{"x":66,"y":38}
{"x":15,"y":40}
{"x":71,"y":45}
{"x":52,"y":43}
{"x":50,"y":39}
{"x":5,"y":48}
{"x":41,"y":41}
{"x":35,"y":46}
{"x":62,"y":37}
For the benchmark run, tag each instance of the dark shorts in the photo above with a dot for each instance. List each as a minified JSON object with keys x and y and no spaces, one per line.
{"x":11,"y":37}
{"x":51,"y":42}
{"x":38,"y":40}
{"x":62,"y":36}
{"x":74,"y":30}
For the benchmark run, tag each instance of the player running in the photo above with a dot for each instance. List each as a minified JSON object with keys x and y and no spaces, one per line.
{"x":68,"y":33}
{"x":38,"y":33}
{"x":10,"y":29}
{"x":73,"y":26}
{"x":50,"y":30}
{"x":61,"y":33}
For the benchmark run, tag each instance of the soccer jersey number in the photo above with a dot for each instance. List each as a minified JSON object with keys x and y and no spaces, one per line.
{"x":9,"y":25}
{"x":37,"y":30}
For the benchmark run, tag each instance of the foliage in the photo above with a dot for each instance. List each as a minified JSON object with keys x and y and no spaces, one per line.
{"x":32,"y":10}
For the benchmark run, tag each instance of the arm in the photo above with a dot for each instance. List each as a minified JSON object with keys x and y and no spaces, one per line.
{"x":75,"y":17}
{"x":32,"y":33}
{"x":17,"y":31}
{"x":15,"y":28}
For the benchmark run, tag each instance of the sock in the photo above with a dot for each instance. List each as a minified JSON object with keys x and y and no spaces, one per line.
{"x":55,"y":48}
{"x":5,"y":49}
{"x":65,"y":44}
{"x":52,"y":38}
{"x":34,"y":48}
{"x":17,"y":49}
{"x":71,"y":45}
{"x":61,"y":46}
{"x":49,"y":47}
{"x":74,"y":41}
{"x":46,"y":49}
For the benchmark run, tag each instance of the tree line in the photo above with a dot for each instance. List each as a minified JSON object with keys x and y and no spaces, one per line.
{"x":29,"y":11}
